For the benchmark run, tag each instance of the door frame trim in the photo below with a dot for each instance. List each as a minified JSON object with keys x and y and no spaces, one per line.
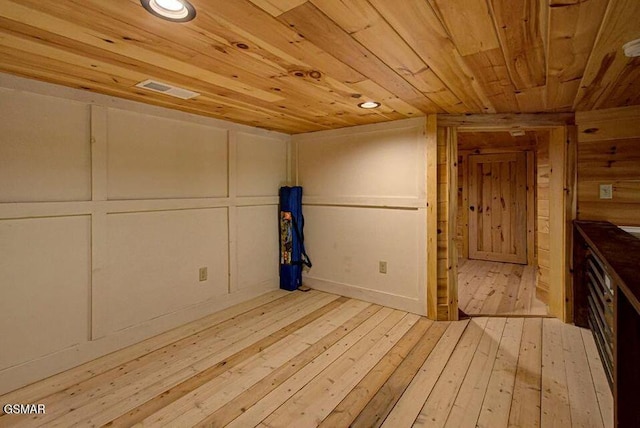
{"x":562,"y":186}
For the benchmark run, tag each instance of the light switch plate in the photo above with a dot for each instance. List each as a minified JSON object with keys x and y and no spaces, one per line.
{"x":606,"y":191}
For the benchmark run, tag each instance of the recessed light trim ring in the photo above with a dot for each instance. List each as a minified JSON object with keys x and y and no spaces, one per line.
{"x":171,"y":10}
{"x":632,"y":48}
{"x":369,"y":104}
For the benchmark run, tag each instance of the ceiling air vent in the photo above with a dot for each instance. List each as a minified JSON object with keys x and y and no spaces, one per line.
{"x":165,"y":88}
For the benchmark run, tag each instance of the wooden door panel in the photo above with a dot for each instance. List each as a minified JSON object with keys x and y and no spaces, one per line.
{"x":498,"y":207}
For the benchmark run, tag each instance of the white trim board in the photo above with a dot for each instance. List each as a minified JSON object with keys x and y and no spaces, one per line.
{"x":413,"y":305}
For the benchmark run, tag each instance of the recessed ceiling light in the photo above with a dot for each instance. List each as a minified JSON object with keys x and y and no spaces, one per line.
{"x":369,"y":104}
{"x":171,"y":10}
{"x":632,"y":49}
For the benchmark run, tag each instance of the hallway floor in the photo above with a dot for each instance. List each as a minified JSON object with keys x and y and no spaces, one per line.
{"x":494,"y":288}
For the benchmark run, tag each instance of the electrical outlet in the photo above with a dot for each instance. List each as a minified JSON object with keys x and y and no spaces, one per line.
{"x":382,"y":266}
{"x":606,"y":191}
{"x":203,"y":274}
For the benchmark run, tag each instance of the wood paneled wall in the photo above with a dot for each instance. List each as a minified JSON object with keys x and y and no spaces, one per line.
{"x":542,"y":213}
{"x":609,"y":153}
{"x":447,"y":254}
{"x":462,"y":241}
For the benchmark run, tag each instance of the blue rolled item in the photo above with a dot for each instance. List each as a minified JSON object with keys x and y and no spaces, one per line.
{"x":292,"y":253}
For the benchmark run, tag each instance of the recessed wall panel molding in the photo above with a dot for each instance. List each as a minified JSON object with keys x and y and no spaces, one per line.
{"x":154,"y":262}
{"x":257,"y":247}
{"x":151,"y":157}
{"x":347,"y":243}
{"x":45,"y":148}
{"x":45,"y":274}
{"x":365,"y":161}
{"x":261,"y":165}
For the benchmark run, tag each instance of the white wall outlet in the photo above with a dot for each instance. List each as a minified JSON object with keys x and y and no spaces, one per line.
{"x":382,"y":266}
{"x":203,"y":274}
{"x":606,"y":191}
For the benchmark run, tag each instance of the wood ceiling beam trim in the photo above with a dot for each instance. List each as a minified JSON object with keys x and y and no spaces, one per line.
{"x":495,"y":142}
{"x":509,"y":120}
{"x":417,"y":23}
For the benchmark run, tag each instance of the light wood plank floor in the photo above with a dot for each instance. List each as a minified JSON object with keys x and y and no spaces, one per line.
{"x":493,"y":288}
{"x":316,"y":359}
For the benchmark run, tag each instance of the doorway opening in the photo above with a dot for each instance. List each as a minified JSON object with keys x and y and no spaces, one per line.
{"x":443,"y":223}
{"x":502,"y":235}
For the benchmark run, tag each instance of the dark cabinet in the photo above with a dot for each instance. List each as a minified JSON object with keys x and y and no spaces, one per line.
{"x":606,"y":286}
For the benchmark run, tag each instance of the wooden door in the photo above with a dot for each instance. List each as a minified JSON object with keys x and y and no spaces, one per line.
{"x":498,"y":207}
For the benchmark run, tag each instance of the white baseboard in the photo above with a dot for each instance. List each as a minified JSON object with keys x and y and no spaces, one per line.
{"x":23,"y":374}
{"x":395,"y":301}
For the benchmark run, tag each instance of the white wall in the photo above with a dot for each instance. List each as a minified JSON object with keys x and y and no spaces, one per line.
{"x":365,"y":202}
{"x":157,"y":158}
{"x":58,"y":145}
{"x":109,"y":208}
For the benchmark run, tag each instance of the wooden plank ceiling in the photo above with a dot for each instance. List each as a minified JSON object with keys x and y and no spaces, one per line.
{"x":298,"y":66}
